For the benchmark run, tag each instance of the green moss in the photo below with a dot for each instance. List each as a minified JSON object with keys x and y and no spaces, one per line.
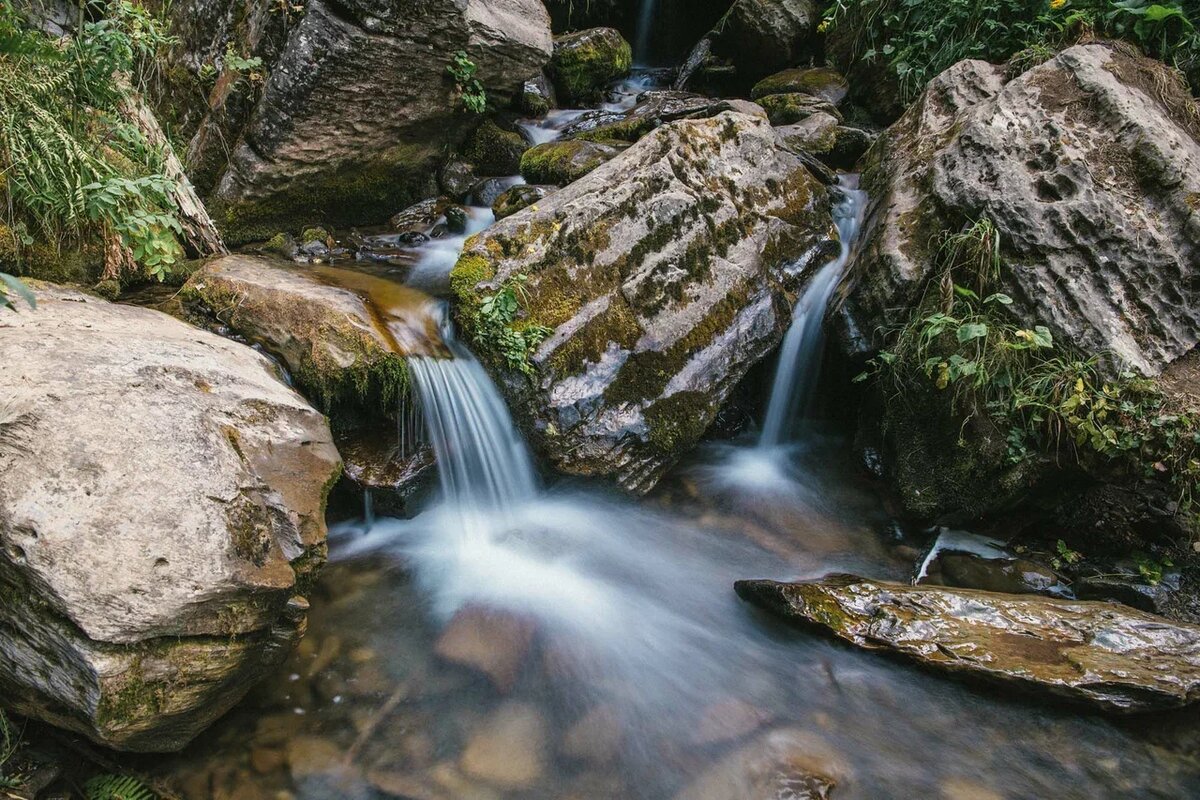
{"x":820,"y":82}
{"x":564,"y":162}
{"x":309,"y":235}
{"x":109,"y":290}
{"x":584,"y":63}
{"x":678,"y":421}
{"x":495,"y":151}
{"x":127,"y":699}
{"x":788,"y":109}
{"x":533,"y":104}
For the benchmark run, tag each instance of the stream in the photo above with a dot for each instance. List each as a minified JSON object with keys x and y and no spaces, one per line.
{"x":522,"y":638}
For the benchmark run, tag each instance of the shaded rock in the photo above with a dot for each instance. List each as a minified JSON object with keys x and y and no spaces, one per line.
{"x":508,"y":749}
{"x":492,"y":642}
{"x":1005,"y":575}
{"x":495,"y":151}
{"x":584,"y":63}
{"x":487,"y":192}
{"x":537,"y":96}
{"x":1130,"y":588}
{"x":421,"y":216}
{"x":654,"y":108}
{"x":357,"y":106}
{"x":1089,"y":166}
{"x":1102,"y":654}
{"x":596,"y":737}
{"x":519,"y":197}
{"x":456,"y":179}
{"x":565,"y":162}
{"x":827,"y":84}
{"x":383,"y":463}
{"x":788,"y":109}
{"x":787,"y":763}
{"x":819,"y":134}
{"x":193,"y":479}
{"x":761,"y":37}
{"x":661,"y":275}
{"x":312,"y":755}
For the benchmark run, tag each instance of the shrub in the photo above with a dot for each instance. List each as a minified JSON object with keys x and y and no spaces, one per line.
{"x":917,"y":39}
{"x":76,"y":165}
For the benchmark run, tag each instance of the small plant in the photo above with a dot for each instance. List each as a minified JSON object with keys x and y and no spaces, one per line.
{"x":10,"y":284}
{"x":10,"y":743}
{"x":1151,"y":569}
{"x":1064,"y":556}
{"x":497,"y":314}
{"x":117,"y":787}
{"x":471,"y":93}
{"x":250,"y":68}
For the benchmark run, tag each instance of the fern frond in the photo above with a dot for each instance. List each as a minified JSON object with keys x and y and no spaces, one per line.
{"x":117,"y":787}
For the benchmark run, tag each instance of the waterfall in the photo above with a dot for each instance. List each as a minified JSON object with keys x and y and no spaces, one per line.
{"x":483,"y":463}
{"x":641,"y":47}
{"x":799,"y":367}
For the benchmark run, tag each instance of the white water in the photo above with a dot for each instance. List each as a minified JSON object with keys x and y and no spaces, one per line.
{"x":641,"y":46}
{"x":800,"y":359}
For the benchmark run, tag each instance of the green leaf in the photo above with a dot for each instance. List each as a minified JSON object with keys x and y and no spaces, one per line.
{"x":999,"y":297}
{"x":19,"y":288}
{"x":972,"y":330}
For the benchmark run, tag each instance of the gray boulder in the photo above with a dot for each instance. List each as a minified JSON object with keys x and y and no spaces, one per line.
{"x":761,"y":37}
{"x":663,"y":275}
{"x":161,"y":518}
{"x":357,"y":106}
{"x":1101,"y":654}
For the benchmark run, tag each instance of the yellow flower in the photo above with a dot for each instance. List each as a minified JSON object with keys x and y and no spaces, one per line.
{"x":824,"y":26}
{"x":1057,"y":4}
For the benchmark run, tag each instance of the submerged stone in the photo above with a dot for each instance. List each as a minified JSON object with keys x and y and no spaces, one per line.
{"x":162,"y":517}
{"x":783,"y":763}
{"x":1102,"y":654}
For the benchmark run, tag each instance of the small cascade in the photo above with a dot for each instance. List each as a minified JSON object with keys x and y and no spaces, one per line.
{"x":482,"y":461}
{"x":799,"y":367}
{"x":645,"y":23}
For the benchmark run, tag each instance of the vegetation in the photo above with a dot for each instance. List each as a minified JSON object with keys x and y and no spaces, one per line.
{"x":117,"y":787}
{"x":917,"y":39}
{"x":10,"y":284}
{"x":1052,"y":401}
{"x":10,"y":743}
{"x":73,"y":164}
{"x":469,"y":88}
{"x":498,"y":329}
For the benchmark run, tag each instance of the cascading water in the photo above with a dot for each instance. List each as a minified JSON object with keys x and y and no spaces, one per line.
{"x":641,"y":47}
{"x":800,"y":359}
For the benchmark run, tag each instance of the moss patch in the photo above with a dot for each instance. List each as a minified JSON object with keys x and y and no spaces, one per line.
{"x":584,"y":63}
{"x":565,"y":162}
{"x":495,"y":151}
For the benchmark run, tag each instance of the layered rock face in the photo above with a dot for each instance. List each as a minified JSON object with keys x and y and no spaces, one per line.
{"x":357,"y":106}
{"x":1089,"y":167}
{"x":1103,"y":654}
{"x":161,"y":518}
{"x":664,"y":274}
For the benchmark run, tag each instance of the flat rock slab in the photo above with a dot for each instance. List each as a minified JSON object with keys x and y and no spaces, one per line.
{"x":1103,"y":654}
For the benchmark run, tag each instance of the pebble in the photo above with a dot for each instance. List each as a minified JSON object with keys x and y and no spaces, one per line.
{"x":596,"y":737}
{"x":508,"y":749}
{"x":491,"y":642}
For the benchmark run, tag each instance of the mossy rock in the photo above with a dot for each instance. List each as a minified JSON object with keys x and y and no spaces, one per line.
{"x":821,"y":82}
{"x":788,"y":109}
{"x":533,"y":104}
{"x":495,"y":151}
{"x":563,"y":162}
{"x":584,"y":63}
{"x":314,"y":234}
{"x":519,"y":198}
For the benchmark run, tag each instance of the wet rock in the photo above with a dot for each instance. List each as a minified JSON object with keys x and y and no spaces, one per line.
{"x":1130,"y":588}
{"x":564,"y":162}
{"x":508,"y":749}
{"x":1006,"y":575}
{"x":492,"y":642}
{"x":313,"y":252}
{"x":384,"y":463}
{"x":1105,"y":655}
{"x":343,"y":336}
{"x":421,"y":216}
{"x":820,"y":82}
{"x":456,"y":179}
{"x":662,"y":276}
{"x":495,"y":151}
{"x":1090,"y":175}
{"x":537,"y":96}
{"x":788,"y":109}
{"x":283,"y":245}
{"x":518,"y":198}
{"x":596,"y":737}
{"x":312,"y":755}
{"x":820,"y":135}
{"x":653,"y":109}
{"x":761,"y":37}
{"x":783,"y":763}
{"x":584,"y":63}
{"x":487,"y":191}
{"x":456,"y":219}
{"x":265,"y":760}
{"x":357,"y":107}
{"x":192,"y":478}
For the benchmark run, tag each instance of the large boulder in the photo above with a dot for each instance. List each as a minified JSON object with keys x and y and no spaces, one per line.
{"x":660,"y":277}
{"x":1102,"y":654}
{"x":559,"y":163}
{"x":162,"y":498}
{"x":357,"y":106}
{"x":584,"y":63}
{"x":1089,"y":167}
{"x":344,"y":337}
{"x":761,"y":37}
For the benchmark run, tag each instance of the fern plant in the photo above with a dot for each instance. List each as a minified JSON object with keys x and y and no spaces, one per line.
{"x":10,"y":284}
{"x":72,"y":163}
{"x":117,"y":787}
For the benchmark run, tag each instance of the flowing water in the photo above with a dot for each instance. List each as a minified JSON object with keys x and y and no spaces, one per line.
{"x":645,"y":27}
{"x":564,"y":643}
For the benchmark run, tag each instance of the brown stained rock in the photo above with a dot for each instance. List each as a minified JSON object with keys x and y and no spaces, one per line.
{"x":1102,"y":654}
{"x":492,"y":642}
{"x":508,"y":748}
{"x":191,"y":478}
